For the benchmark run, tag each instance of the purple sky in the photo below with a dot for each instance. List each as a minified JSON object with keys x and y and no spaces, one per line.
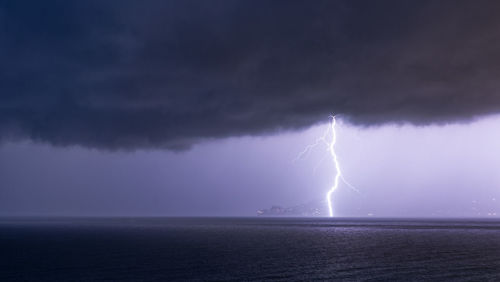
{"x":125,"y":107}
{"x":449,"y":170}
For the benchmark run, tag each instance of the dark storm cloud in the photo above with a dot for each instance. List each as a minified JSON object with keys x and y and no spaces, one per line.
{"x":131,"y":74}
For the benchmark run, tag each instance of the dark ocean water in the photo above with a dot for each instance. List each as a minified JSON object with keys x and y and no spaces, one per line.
{"x":248,"y":249}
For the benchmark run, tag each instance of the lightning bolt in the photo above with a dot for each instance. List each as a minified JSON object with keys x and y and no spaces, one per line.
{"x":330,"y":144}
{"x":338,"y":173}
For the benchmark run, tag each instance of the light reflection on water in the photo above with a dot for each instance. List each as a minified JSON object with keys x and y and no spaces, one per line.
{"x":249,"y":249}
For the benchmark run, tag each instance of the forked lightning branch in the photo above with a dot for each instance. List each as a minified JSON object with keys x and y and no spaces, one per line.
{"x":329,"y":138}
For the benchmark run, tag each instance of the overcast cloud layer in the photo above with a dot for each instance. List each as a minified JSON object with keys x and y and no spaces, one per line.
{"x":138,"y":74}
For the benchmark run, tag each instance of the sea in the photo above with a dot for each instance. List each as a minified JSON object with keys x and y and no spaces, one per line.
{"x":249,"y":249}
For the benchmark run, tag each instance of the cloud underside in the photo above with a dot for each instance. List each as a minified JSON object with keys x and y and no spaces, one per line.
{"x":168,"y":74}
